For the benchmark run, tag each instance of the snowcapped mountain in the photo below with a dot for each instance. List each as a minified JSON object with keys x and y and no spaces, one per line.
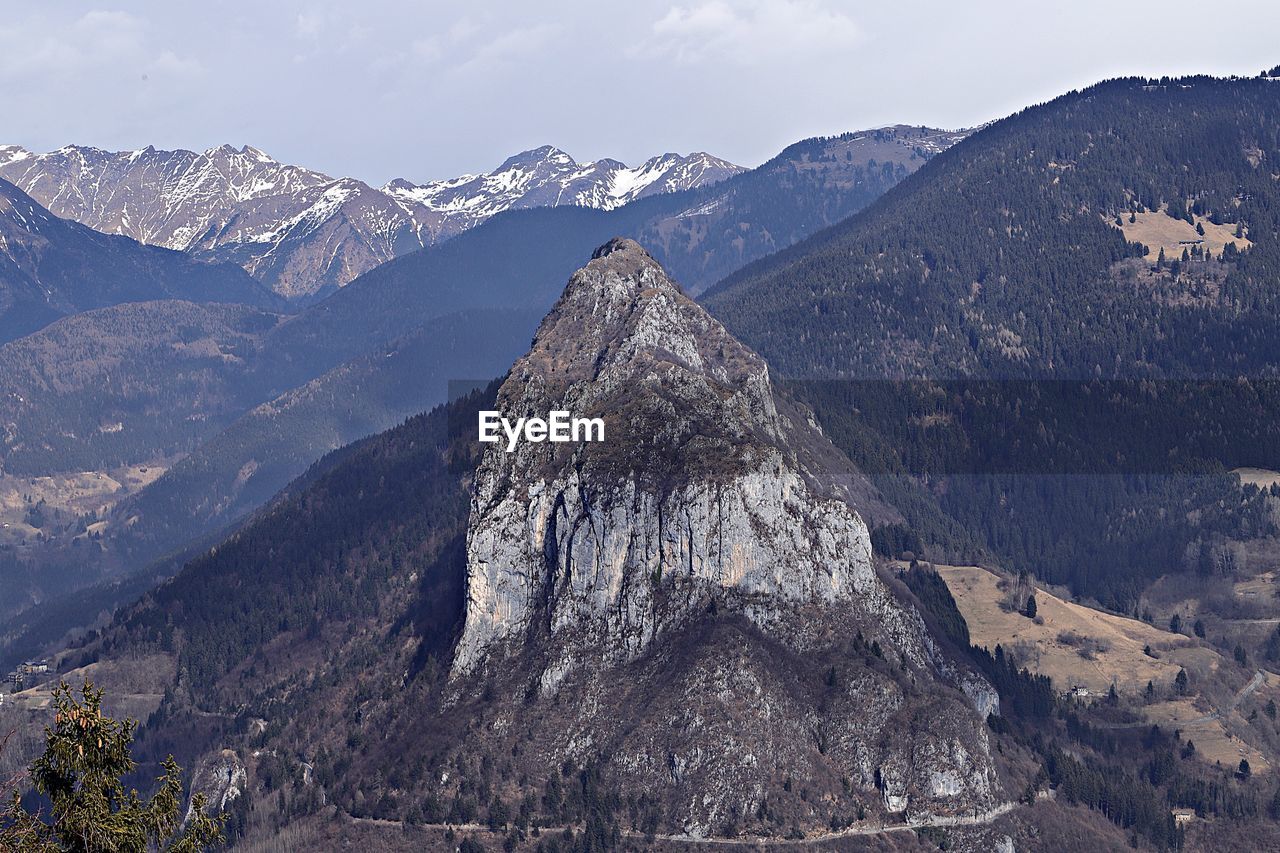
{"x":302,"y":232}
{"x":547,"y":176}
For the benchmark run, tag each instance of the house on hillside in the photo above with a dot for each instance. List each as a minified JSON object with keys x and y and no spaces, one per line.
{"x":1078,"y":691}
{"x":1181,"y":817}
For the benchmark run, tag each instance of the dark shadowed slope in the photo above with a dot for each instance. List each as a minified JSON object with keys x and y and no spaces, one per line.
{"x":50,"y":267}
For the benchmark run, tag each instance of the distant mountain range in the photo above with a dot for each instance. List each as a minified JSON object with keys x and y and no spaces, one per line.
{"x":302,"y":232}
{"x":51,"y":267}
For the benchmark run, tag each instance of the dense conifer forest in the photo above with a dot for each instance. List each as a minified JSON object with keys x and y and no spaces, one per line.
{"x":1036,"y":475}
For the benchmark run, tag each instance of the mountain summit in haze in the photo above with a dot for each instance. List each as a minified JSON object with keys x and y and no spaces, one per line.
{"x":302,"y":232}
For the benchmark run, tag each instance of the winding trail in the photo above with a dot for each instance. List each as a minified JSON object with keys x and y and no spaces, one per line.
{"x":1259,"y":678}
{"x":911,"y":826}
{"x":1254,"y":683}
{"x":942,"y":821}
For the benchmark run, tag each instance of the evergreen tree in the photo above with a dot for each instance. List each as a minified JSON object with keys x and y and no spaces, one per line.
{"x":86,"y":754}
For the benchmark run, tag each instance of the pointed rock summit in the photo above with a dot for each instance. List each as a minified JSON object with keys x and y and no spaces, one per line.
{"x":691,"y":495}
{"x":690,"y":604}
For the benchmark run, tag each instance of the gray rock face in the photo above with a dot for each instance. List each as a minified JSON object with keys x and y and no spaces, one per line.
{"x":221,"y":777}
{"x":692,"y":489}
{"x":669,"y":597}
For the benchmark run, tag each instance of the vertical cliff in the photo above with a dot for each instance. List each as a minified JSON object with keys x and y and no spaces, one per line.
{"x":692,"y":492}
{"x":678,"y":584}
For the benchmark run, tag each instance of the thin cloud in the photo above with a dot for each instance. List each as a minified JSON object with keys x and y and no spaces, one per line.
{"x":308,"y":25}
{"x":508,"y":47}
{"x":44,"y":46}
{"x":746,"y":32}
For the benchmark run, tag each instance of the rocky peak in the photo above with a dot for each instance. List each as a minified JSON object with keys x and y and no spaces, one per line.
{"x":682,"y":400}
{"x":660,"y":589}
{"x":12,"y":154}
{"x":19,"y":215}
{"x":622,"y":314}
{"x":693,"y":492}
{"x":534,"y":157}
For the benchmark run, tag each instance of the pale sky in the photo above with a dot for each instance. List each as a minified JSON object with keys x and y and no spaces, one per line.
{"x":377,"y":89}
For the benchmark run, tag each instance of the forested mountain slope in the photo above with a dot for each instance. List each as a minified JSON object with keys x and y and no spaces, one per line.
{"x":51,"y":267}
{"x":119,"y":385}
{"x":1017,"y":252}
{"x":1033,"y":249}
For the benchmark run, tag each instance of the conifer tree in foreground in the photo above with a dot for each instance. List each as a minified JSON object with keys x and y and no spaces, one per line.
{"x":86,"y":755}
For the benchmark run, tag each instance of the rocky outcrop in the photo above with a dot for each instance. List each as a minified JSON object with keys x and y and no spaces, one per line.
{"x":692,"y":491}
{"x":698,"y":587}
{"x":221,"y":777}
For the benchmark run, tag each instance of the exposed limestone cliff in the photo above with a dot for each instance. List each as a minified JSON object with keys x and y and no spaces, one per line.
{"x":692,"y":489}
{"x":689,"y":568}
{"x":221,"y":778}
